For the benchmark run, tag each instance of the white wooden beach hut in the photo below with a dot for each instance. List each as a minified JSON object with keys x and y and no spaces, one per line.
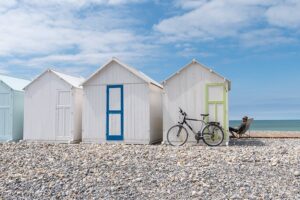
{"x":121,"y":104}
{"x":11,"y":108}
{"x":197,"y":90}
{"x":53,"y":107}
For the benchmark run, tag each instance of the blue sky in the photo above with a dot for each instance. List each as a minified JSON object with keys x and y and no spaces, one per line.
{"x":254,"y":43}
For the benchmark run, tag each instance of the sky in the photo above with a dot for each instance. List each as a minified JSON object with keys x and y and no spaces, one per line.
{"x":254,"y":43}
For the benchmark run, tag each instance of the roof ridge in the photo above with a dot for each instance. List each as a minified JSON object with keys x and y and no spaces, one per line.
{"x":133,"y":70}
{"x":67,"y":78}
{"x":145,"y":76}
{"x":59,"y":72}
{"x":199,"y":63}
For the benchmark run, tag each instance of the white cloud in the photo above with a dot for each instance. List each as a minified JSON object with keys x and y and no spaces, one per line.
{"x":265,"y":38}
{"x":86,"y":59}
{"x":285,"y":14}
{"x":118,"y":2}
{"x":190,"y":53}
{"x":30,"y":31}
{"x":189,"y":4}
{"x":213,"y":19}
{"x":238,"y":19}
{"x":4,"y":5}
{"x":71,"y":3}
{"x":36,"y":34}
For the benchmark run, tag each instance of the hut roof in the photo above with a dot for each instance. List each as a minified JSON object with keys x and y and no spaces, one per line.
{"x":14,"y":83}
{"x":201,"y":65}
{"x":71,"y":80}
{"x":129,"y":68}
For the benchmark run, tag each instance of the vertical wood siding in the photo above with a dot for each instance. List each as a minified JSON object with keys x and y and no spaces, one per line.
{"x":18,"y":115}
{"x":77,"y":113}
{"x":93,"y":115}
{"x":156,"y":114}
{"x":6,"y":108}
{"x":136,"y":114}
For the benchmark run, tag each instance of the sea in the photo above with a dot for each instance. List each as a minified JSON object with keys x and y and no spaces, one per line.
{"x":271,"y":125}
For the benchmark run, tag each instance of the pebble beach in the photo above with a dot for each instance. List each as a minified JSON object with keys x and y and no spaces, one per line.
{"x":247,"y":169}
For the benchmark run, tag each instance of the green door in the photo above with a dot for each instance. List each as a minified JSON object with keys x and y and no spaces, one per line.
{"x":216,"y":104}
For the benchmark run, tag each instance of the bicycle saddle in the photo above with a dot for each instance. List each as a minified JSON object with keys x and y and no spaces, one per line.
{"x":215,"y":123}
{"x":204,"y":115}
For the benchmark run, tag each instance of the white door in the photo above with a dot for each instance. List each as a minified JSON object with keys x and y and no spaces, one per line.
{"x":5,"y":118}
{"x":63,"y":115}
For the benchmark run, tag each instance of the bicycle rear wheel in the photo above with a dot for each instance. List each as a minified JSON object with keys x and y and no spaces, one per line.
{"x":177,"y":135}
{"x":213,"y":135}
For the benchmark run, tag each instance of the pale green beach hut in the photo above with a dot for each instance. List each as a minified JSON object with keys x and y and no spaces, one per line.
{"x":11,"y":108}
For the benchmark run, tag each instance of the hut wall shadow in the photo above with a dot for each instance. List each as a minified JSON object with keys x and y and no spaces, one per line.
{"x":246,"y":142}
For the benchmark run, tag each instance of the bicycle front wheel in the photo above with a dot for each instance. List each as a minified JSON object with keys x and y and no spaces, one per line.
{"x":213,"y":135}
{"x":177,"y":135}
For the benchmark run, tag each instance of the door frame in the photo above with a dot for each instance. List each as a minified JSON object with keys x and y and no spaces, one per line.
{"x":114,"y":112}
{"x":224,"y":103}
{"x":8,"y":135}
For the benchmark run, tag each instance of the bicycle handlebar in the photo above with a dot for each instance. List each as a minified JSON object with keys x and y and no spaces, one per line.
{"x":182,"y":112}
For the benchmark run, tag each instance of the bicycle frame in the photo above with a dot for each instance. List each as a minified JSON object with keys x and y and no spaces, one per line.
{"x":203,"y":124}
{"x":210,"y":132}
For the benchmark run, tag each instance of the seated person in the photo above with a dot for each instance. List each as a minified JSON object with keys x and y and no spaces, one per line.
{"x":241,"y":128}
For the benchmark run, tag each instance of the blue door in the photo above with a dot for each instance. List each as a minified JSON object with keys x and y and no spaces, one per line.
{"x":114,"y":112}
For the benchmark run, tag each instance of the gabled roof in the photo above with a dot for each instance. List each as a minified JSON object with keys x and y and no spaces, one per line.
{"x":14,"y":83}
{"x":139,"y":74}
{"x":71,"y":80}
{"x":203,"y":66}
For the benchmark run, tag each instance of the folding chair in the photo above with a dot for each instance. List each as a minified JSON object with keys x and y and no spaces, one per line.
{"x":246,"y":132}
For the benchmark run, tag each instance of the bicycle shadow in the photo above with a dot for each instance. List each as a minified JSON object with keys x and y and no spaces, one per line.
{"x":246,"y":142}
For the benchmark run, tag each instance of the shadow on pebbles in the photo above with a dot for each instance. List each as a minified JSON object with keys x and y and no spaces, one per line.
{"x":248,"y":169}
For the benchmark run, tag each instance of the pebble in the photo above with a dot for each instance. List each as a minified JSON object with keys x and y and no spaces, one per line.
{"x":247,"y":169}
{"x":274,"y":163}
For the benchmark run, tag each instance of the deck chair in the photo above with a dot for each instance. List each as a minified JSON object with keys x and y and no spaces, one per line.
{"x":246,"y":132}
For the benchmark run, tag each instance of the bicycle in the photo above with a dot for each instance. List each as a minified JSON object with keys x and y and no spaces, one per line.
{"x":212,"y":134}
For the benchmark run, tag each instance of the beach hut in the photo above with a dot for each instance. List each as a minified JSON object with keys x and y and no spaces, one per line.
{"x":197,"y":90}
{"x":11,"y":108}
{"x":53,"y":106}
{"x":121,"y":104}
